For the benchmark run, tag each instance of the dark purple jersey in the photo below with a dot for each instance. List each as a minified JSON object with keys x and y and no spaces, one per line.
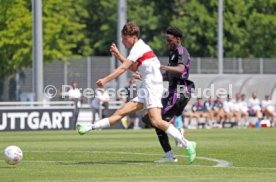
{"x":180,"y":55}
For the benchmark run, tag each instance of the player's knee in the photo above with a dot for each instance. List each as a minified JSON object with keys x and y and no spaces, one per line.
{"x":154,"y":121}
{"x":155,"y":124}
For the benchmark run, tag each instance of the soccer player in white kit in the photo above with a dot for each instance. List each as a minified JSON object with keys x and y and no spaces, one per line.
{"x":142,"y":58}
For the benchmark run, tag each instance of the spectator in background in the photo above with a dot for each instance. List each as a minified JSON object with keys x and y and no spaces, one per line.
{"x":268,"y":108}
{"x":99,"y":103}
{"x":227,"y":108}
{"x":132,"y":93}
{"x":59,"y":96}
{"x":244,"y":109}
{"x":197,"y":112}
{"x":254,"y":106}
{"x":74,"y":95}
{"x":218,"y":111}
{"x":209,"y":106}
{"x":131,"y":90}
{"x":178,"y":123}
{"x":236,"y":110}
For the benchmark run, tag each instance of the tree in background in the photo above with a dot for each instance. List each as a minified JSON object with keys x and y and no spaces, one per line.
{"x":63,"y":29}
{"x":153,"y":17}
{"x":249,"y":27}
{"x":62,"y":32}
{"x":15,"y":41}
{"x":198,"y":20}
{"x":16,"y":36}
{"x":63,"y":35}
{"x":88,"y":27}
{"x":261,"y":26}
{"x":101,"y":25}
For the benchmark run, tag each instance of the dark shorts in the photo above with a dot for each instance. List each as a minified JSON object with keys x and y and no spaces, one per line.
{"x":174,"y":103}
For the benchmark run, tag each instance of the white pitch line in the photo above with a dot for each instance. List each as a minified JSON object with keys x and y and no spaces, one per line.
{"x":147,"y":164}
{"x":219,"y":163}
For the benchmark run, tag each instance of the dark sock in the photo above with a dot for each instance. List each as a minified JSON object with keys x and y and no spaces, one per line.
{"x":163,"y":139}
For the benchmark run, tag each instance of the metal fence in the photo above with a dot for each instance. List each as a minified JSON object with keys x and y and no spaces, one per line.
{"x":234,"y":66}
{"x":87,"y":70}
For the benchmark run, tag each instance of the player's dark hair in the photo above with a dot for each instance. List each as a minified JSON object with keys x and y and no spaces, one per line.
{"x":175,"y":32}
{"x":73,"y":81}
{"x":131,"y":29}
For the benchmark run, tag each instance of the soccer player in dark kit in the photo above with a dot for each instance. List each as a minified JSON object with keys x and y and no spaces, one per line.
{"x":176,"y":73}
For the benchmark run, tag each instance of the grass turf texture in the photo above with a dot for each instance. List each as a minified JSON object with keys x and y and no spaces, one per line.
{"x":128,"y":155}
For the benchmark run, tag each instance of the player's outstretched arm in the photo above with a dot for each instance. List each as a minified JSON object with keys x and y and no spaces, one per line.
{"x":115,"y":52}
{"x":116,"y":73}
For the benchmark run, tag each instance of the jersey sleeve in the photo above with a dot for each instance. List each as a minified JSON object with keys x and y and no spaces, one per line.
{"x":183,"y":56}
{"x":134,"y":55}
{"x":180,"y":55}
{"x":186,"y":60}
{"x":135,"y":52}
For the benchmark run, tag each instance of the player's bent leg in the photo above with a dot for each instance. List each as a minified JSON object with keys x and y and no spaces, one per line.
{"x":164,"y":141}
{"x":155,"y":117}
{"x":126,"y":109}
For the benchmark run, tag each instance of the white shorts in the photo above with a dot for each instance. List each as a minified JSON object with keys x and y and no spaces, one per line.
{"x":150,"y":96}
{"x":270,"y":108}
{"x":256,"y":108}
{"x":244,"y":109}
{"x":227,"y":110}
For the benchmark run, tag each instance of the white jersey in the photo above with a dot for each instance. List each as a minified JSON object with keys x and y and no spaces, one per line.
{"x":101,"y":96}
{"x":244,"y":107}
{"x":237,"y":105}
{"x":149,"y":69}
{"x":75,"y":94}
{"x":268,"y":104}
{"x":228,"y":106}
{"x":254,"y":104}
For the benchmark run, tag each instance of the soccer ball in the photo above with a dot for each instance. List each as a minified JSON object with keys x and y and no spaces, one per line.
{"x":13,"y":155}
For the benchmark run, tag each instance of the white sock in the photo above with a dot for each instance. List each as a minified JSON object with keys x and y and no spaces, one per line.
{"x":103,"y":123}
{"x":172,"y":131}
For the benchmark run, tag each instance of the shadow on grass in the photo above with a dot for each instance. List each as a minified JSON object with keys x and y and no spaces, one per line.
{"x":105,"y":162}
{"x":7,"y":167}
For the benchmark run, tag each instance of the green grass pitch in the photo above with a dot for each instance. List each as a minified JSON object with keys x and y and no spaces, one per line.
{"x":129,"y":155}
